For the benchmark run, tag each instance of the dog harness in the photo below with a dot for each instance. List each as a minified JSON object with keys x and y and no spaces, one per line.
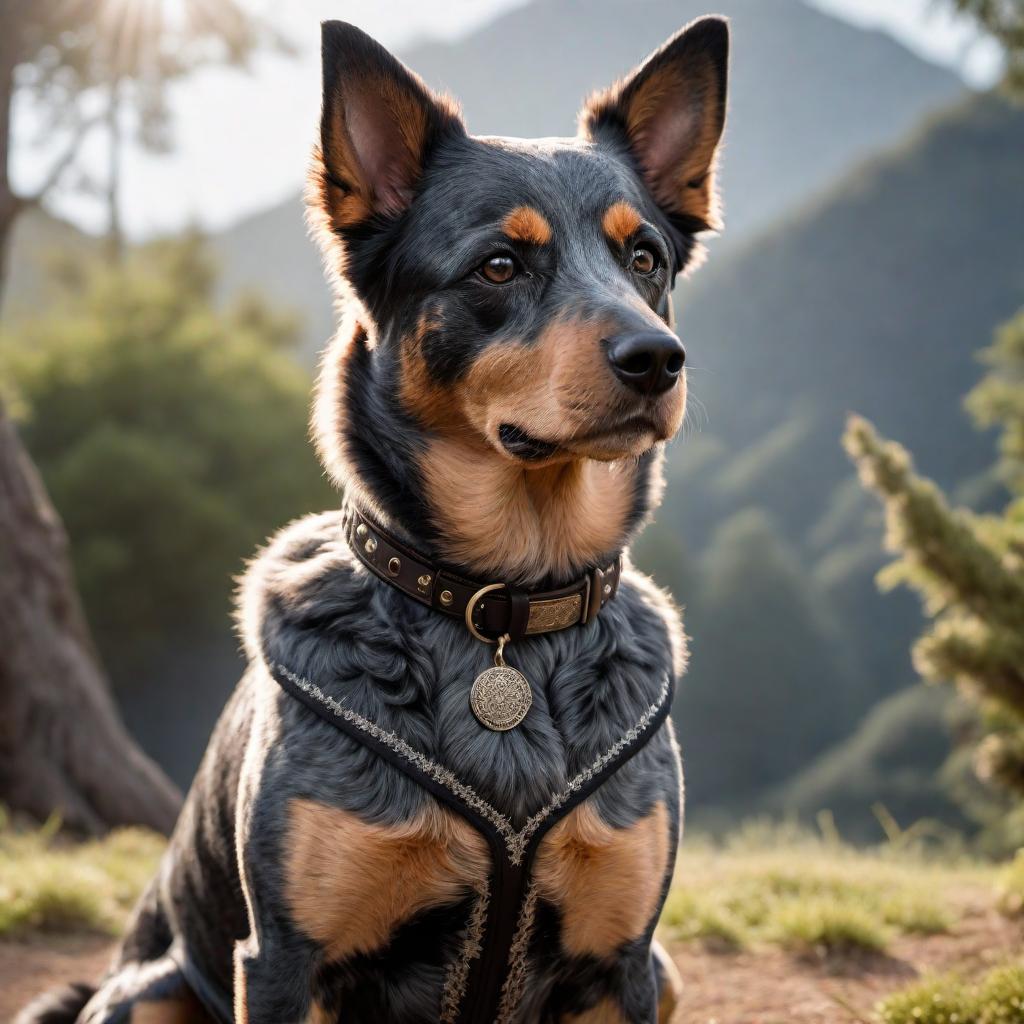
{"x":486,"y":981}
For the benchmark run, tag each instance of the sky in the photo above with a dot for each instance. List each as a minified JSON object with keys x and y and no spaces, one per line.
{"x":223,"y":169}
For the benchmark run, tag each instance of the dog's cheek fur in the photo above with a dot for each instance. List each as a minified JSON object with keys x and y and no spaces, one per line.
{"x":422,"y":394}
{"x":499,"y":518}
{"x":344,"y":359}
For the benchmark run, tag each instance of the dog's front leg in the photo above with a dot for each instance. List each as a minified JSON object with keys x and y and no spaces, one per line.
{"x":272,"y":983}
{"x":275,"y":967}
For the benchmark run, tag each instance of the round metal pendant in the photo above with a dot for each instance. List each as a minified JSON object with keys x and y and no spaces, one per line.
{"x":500,"y":698}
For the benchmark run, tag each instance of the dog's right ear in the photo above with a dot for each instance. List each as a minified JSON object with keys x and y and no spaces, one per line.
{"x":669,"y":114}
{"x":378,"y":126}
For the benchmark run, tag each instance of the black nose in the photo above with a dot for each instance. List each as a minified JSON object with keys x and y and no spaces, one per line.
{"x":647,"y":361}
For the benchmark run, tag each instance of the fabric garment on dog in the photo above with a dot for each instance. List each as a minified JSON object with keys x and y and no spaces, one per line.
{"x":486,"y":983}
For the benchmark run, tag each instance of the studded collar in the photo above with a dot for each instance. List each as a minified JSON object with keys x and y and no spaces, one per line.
{"x":489,"y":609}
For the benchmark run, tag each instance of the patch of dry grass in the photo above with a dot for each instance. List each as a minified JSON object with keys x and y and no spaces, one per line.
{"x":813,"y":894}
{"x":1010,"y":887}
{"x":998,"y":998}
{"x":48,"y":884}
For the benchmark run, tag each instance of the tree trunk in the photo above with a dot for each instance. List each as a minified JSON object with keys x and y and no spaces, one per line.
{"x":115,"y":232}
{"x":63,"y":746}
{"x":9,"y":205}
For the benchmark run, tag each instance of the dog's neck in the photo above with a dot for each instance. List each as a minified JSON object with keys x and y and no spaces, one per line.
{"x":461,"y":503}
{"x":505,"y":521}
{"x":491,"y":519}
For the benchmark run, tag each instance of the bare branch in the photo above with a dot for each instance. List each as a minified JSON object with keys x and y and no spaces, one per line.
{"x":62,"y":163}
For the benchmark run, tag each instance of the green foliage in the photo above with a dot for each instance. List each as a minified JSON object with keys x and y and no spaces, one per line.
{"x":48,"y":885}
{"x":998,"y":400}
{"x":934,"y":1001}
{"x":908,"y":306}
{"x":766,"y":658}
{"x":968,"y":568}
{"x":828,"y":927}
{"x":1010,"y":888}
{"x":660,"y":552}
{"x":171,"y":435}
{"x":895,"y":757}
{"x":998,"y":998}
{"x":1004,"y":21}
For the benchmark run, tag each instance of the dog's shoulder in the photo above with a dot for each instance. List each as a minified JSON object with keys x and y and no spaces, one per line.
{"x":305,"y":574}
{"x":651,"y":614}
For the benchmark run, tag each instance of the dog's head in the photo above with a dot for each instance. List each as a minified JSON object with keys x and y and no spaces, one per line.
{"x":513,"y":296}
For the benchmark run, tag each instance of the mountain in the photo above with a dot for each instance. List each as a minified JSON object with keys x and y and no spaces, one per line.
{"x":874,"y":299}
{"x":810,"y":95}
{"x":869,"y":256}
{"x":895,"y":760}
{"x":38,"y":242}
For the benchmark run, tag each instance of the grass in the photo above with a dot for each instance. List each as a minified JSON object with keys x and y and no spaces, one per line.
{"x":998,"y":998}
{"x":1010,"y":887}
{"x":809,"y":894}
{"x":813,"y":895}
{"x":50,"y":885}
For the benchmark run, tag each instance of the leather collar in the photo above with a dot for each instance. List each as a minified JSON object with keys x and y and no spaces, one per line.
{"x":496,"y":609}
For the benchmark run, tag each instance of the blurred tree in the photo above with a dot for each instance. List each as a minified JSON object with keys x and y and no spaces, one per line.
{"x":170,"y":433}
{"x":82,"y":63}
{"x":768,"y":686}
{"x":660,"y":552}
{"x":1004,"y":21}
{"x":62,"y":745}
{"x":78,"y":62}
{"x":968,"y":568}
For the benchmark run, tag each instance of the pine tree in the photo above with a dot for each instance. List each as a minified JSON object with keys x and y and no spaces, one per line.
{"x":968,"y":568}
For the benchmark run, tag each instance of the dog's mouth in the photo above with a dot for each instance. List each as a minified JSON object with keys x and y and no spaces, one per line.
{"x":607,"y":441}
{"x":521,"y":445}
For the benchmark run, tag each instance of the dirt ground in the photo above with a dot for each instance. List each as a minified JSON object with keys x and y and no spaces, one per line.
{"x":28,"y":968}
{"x":768,"y":987}
{"x":772,"y":987}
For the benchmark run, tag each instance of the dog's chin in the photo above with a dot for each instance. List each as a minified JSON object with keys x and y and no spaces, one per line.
{"x":626,"y":439}
{"x":630,"y":439}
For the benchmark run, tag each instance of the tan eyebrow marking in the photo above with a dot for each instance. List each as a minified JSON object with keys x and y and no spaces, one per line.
{"x":525,"y":224}
{"x":620,"y":221}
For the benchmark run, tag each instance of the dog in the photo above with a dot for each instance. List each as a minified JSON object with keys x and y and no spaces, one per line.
{"x":447,"y":787}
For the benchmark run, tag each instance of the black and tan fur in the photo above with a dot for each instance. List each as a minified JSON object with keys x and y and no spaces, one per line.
{"x":482,"y":422}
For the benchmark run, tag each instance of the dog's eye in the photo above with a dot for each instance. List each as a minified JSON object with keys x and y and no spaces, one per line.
{"x":643,"y":261}
{"x":498,"y":269}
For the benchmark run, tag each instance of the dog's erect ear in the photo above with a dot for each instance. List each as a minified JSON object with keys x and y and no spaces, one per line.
{"x":378,"y":124}
{"x":669,"y":114}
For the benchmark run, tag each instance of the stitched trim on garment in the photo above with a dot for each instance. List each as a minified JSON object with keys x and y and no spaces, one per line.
{"x":458,"y":972}
{"x":515,"y":977}
{"x":515,"y":841}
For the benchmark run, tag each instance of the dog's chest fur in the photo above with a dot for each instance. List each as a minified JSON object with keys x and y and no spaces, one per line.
{"x":365,"y":850}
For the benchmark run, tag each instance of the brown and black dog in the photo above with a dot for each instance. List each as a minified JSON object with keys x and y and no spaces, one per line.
{"x":384,"y":828}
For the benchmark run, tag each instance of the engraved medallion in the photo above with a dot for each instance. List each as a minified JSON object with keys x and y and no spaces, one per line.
{"x":500,"y":698}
